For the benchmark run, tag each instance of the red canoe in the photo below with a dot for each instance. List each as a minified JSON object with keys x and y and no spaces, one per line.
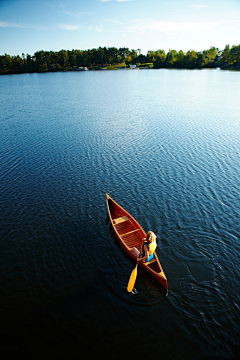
{"x":130,"y":234}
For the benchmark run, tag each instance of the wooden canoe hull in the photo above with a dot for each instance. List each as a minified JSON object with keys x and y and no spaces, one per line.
{"x":130,"y":234}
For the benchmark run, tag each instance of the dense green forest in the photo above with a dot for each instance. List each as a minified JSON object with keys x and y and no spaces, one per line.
{"x":43,"y":61}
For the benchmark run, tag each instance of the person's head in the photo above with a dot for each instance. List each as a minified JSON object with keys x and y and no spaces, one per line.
{"x":151,"y":237}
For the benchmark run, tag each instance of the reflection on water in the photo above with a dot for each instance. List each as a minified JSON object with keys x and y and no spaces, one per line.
{"x":165,"y":146}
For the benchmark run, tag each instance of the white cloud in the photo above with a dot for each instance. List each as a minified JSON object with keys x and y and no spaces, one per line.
{"x":142,"y":26}
{"x":198,"y":6}
{"x":117,"y":22}
{"x":5,"y":24}
{"x":69,"y":27}
{"x":75,"y":14}
{"x":97,"y":28}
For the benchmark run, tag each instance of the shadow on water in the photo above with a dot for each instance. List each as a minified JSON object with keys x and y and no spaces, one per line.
{"x":78,"y":323}
{"x":67,"y":327}
{"x":107,"y":220}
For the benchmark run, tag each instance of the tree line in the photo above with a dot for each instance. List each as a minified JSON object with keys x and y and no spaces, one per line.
{"x":43,"y":61}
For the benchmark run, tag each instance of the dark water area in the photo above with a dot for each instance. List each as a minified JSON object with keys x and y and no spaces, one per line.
{"x":165,"y":145}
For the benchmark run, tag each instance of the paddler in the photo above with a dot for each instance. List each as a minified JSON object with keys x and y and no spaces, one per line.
{"x":147,"y":249}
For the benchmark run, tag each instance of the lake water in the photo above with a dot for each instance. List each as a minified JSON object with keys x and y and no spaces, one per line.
{"x":165,"y":145}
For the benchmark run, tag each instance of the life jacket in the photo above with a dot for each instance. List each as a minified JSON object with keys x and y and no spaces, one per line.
{"x":151,"y":247}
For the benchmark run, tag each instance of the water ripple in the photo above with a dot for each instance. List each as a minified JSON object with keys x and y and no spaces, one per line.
{"x":165,"y":146}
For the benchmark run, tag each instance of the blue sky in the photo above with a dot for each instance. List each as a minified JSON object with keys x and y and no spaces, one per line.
{"x":27,"y":26}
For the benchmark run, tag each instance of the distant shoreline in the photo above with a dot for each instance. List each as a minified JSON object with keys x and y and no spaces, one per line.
{"x":122,"y":58}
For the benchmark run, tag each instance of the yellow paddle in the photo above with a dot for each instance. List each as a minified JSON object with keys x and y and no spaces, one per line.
{"x":132,"y":279}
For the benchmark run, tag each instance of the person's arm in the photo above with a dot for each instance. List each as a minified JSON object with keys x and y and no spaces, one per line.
{"x":146,"y":254}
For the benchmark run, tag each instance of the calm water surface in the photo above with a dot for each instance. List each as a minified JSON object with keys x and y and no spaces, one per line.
{"x":165,"y":145}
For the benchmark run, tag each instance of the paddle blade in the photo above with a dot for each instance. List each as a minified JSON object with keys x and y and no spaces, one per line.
{"x":132,"y":279}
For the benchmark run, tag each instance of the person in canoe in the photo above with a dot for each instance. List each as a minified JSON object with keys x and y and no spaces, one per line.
{"x":147,"y":249}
